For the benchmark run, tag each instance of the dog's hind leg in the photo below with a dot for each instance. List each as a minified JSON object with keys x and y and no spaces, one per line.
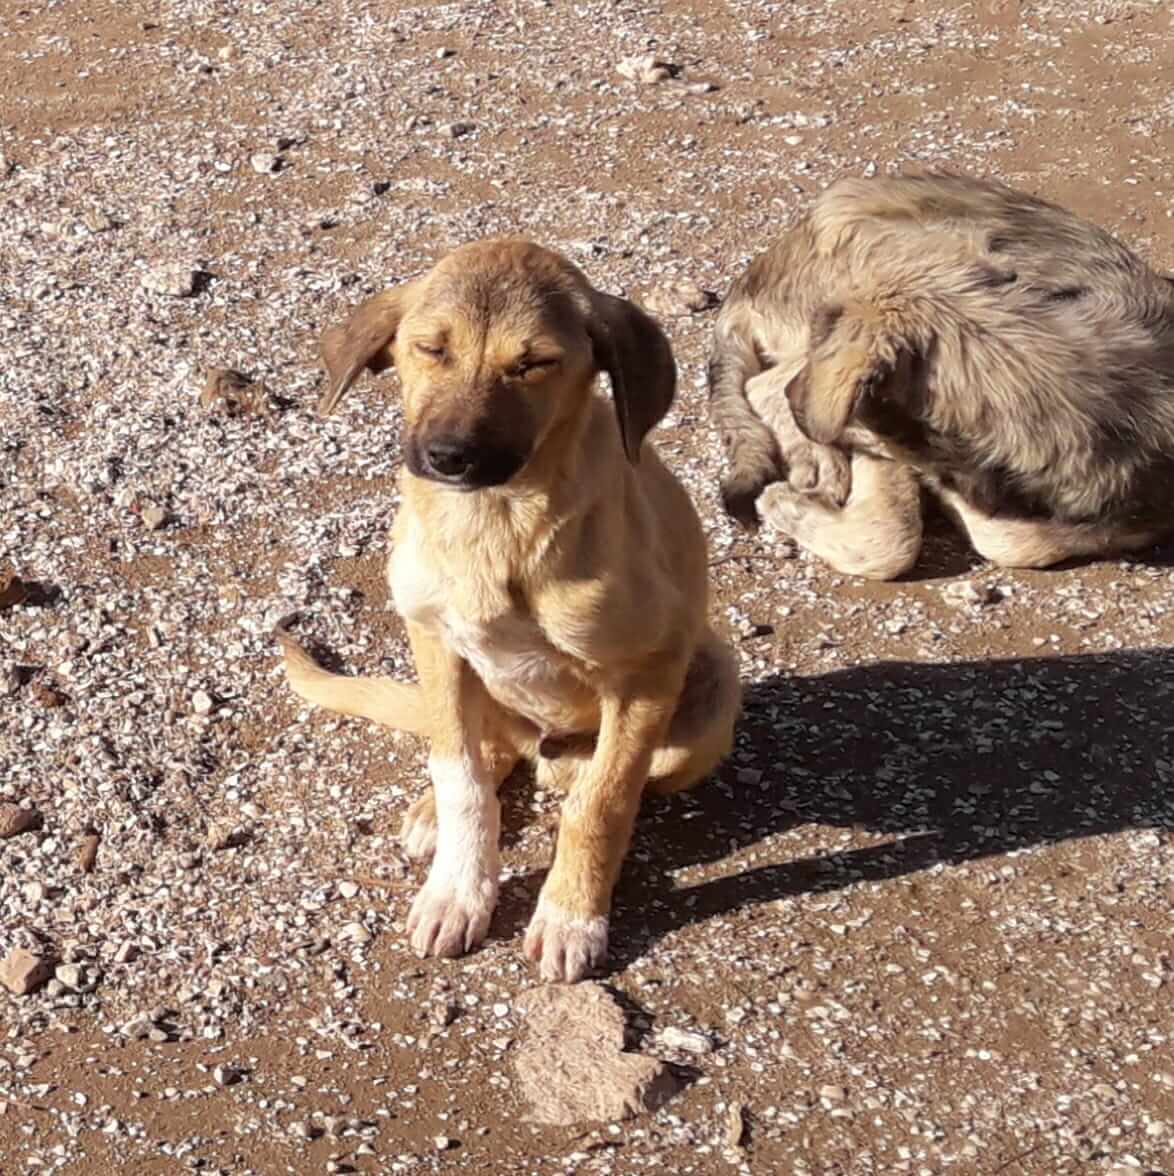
{"x":1039,"y":543}
{"x":702,"y":731}
{"x":875,"y":534}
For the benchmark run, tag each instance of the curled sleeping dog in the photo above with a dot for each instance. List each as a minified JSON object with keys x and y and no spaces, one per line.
{"x":552,"y":575}
{"x":954,"y":334}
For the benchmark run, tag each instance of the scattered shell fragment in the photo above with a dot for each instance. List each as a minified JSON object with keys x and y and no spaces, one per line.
{"x":735,"y":1124}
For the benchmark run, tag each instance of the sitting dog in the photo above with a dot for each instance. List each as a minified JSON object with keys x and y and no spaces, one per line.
{"x":954,"y":334}
{"x":552,"y":575}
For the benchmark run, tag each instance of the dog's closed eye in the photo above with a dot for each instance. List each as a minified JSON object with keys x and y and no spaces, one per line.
{"x":533,"y":365}
{"x":431,"y":350}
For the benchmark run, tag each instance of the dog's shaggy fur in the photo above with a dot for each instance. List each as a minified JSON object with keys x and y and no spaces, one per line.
{"x":952,"y":333}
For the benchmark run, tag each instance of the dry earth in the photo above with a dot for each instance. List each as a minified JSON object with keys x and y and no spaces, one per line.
{"x":923,"y":913}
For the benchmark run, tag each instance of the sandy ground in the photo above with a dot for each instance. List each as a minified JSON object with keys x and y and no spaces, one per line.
{"x":923,"y":912}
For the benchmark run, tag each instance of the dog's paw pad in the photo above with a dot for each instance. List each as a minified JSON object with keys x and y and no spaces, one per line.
{"x":418,"y":832}
{"x":449,"y":919}
{"x":565,"y":947}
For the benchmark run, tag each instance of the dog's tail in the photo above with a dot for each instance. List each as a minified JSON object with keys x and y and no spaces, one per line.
{"x":382,"y":700}
{"x":752,"y":453}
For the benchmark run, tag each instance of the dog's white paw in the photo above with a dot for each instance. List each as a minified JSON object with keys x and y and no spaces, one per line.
{"x":781,"y":507}
{"x":566,"y":948}
{"x":451,"y":916}
{"x":819,"y":470}
{"x":418,"y":832}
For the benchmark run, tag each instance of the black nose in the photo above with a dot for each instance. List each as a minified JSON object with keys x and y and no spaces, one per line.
{"x":450,"y":459}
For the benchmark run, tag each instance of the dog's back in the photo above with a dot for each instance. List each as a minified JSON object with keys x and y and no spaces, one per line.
{"x":1046,"y":345}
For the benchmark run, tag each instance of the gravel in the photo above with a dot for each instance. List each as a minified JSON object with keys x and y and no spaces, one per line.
{"x":934,"y":871}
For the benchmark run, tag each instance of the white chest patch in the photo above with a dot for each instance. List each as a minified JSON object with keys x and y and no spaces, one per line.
{"x":509,"y":651}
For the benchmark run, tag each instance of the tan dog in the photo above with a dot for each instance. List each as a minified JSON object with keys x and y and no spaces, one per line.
{"x":553,"y":577}
{"x":952,"y":333}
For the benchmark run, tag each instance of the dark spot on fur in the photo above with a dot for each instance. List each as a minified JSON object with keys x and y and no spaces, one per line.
{"x":823,"y":322}
{"x":989,"y":275}
{"x":1066,"y":294}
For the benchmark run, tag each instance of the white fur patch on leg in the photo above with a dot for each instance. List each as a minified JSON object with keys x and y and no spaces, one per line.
{"x":418,"y":833}
{"x":565,"y":946}
{"x":451,"y":913}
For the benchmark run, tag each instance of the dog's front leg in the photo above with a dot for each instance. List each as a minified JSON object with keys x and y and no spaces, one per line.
{"x":568,"y":934}
{"x":451,"y":913}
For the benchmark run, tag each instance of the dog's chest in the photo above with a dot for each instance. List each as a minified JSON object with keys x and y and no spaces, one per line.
{"x":503,"y":645}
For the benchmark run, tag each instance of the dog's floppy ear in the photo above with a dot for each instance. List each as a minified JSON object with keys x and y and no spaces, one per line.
{"x":365,"y":342}
{"x":850,"y":356}
{"x":633,"y":350}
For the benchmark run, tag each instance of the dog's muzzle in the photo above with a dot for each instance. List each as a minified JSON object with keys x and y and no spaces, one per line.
{"x":463,"y":463}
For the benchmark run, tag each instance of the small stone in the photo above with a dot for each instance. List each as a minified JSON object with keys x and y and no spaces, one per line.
{"x":127,"y":951}
{"x":15,"y":820}
{"x":355,"y":933}
{"x":226,"y":1075}
{"x":202,"y":703}
{"x":458,"y":130}
{"x":158,"y":1036}
{"x":172,"y":279}
{"x":832,"y":1096}
{"x":442,"y":1142}
{"x":45,"y":693}
{"x":963,"y":592}
{"x":444,"y":52}
{"x":234,"y":393}
{"x":97,"y":221}
{"x":223,"y":837}
{"x":13,"y":590}
{"x":87,"y":854}
{"x":23,"y":972}
{"x":645,"y":69}
{"x":735,"y":1124}
{"x":445,"y":1014}
{"x":301,"y":1129}
{"x":689,"y":1041}
{"x":153,"y":517}
{"x":139,"y":1027}
{"x":72,"y":976}
{"x":348,"y":889}
{"x":265,"y":162}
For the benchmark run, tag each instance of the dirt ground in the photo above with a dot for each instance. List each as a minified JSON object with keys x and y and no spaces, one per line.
{"x":923,"y":912}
